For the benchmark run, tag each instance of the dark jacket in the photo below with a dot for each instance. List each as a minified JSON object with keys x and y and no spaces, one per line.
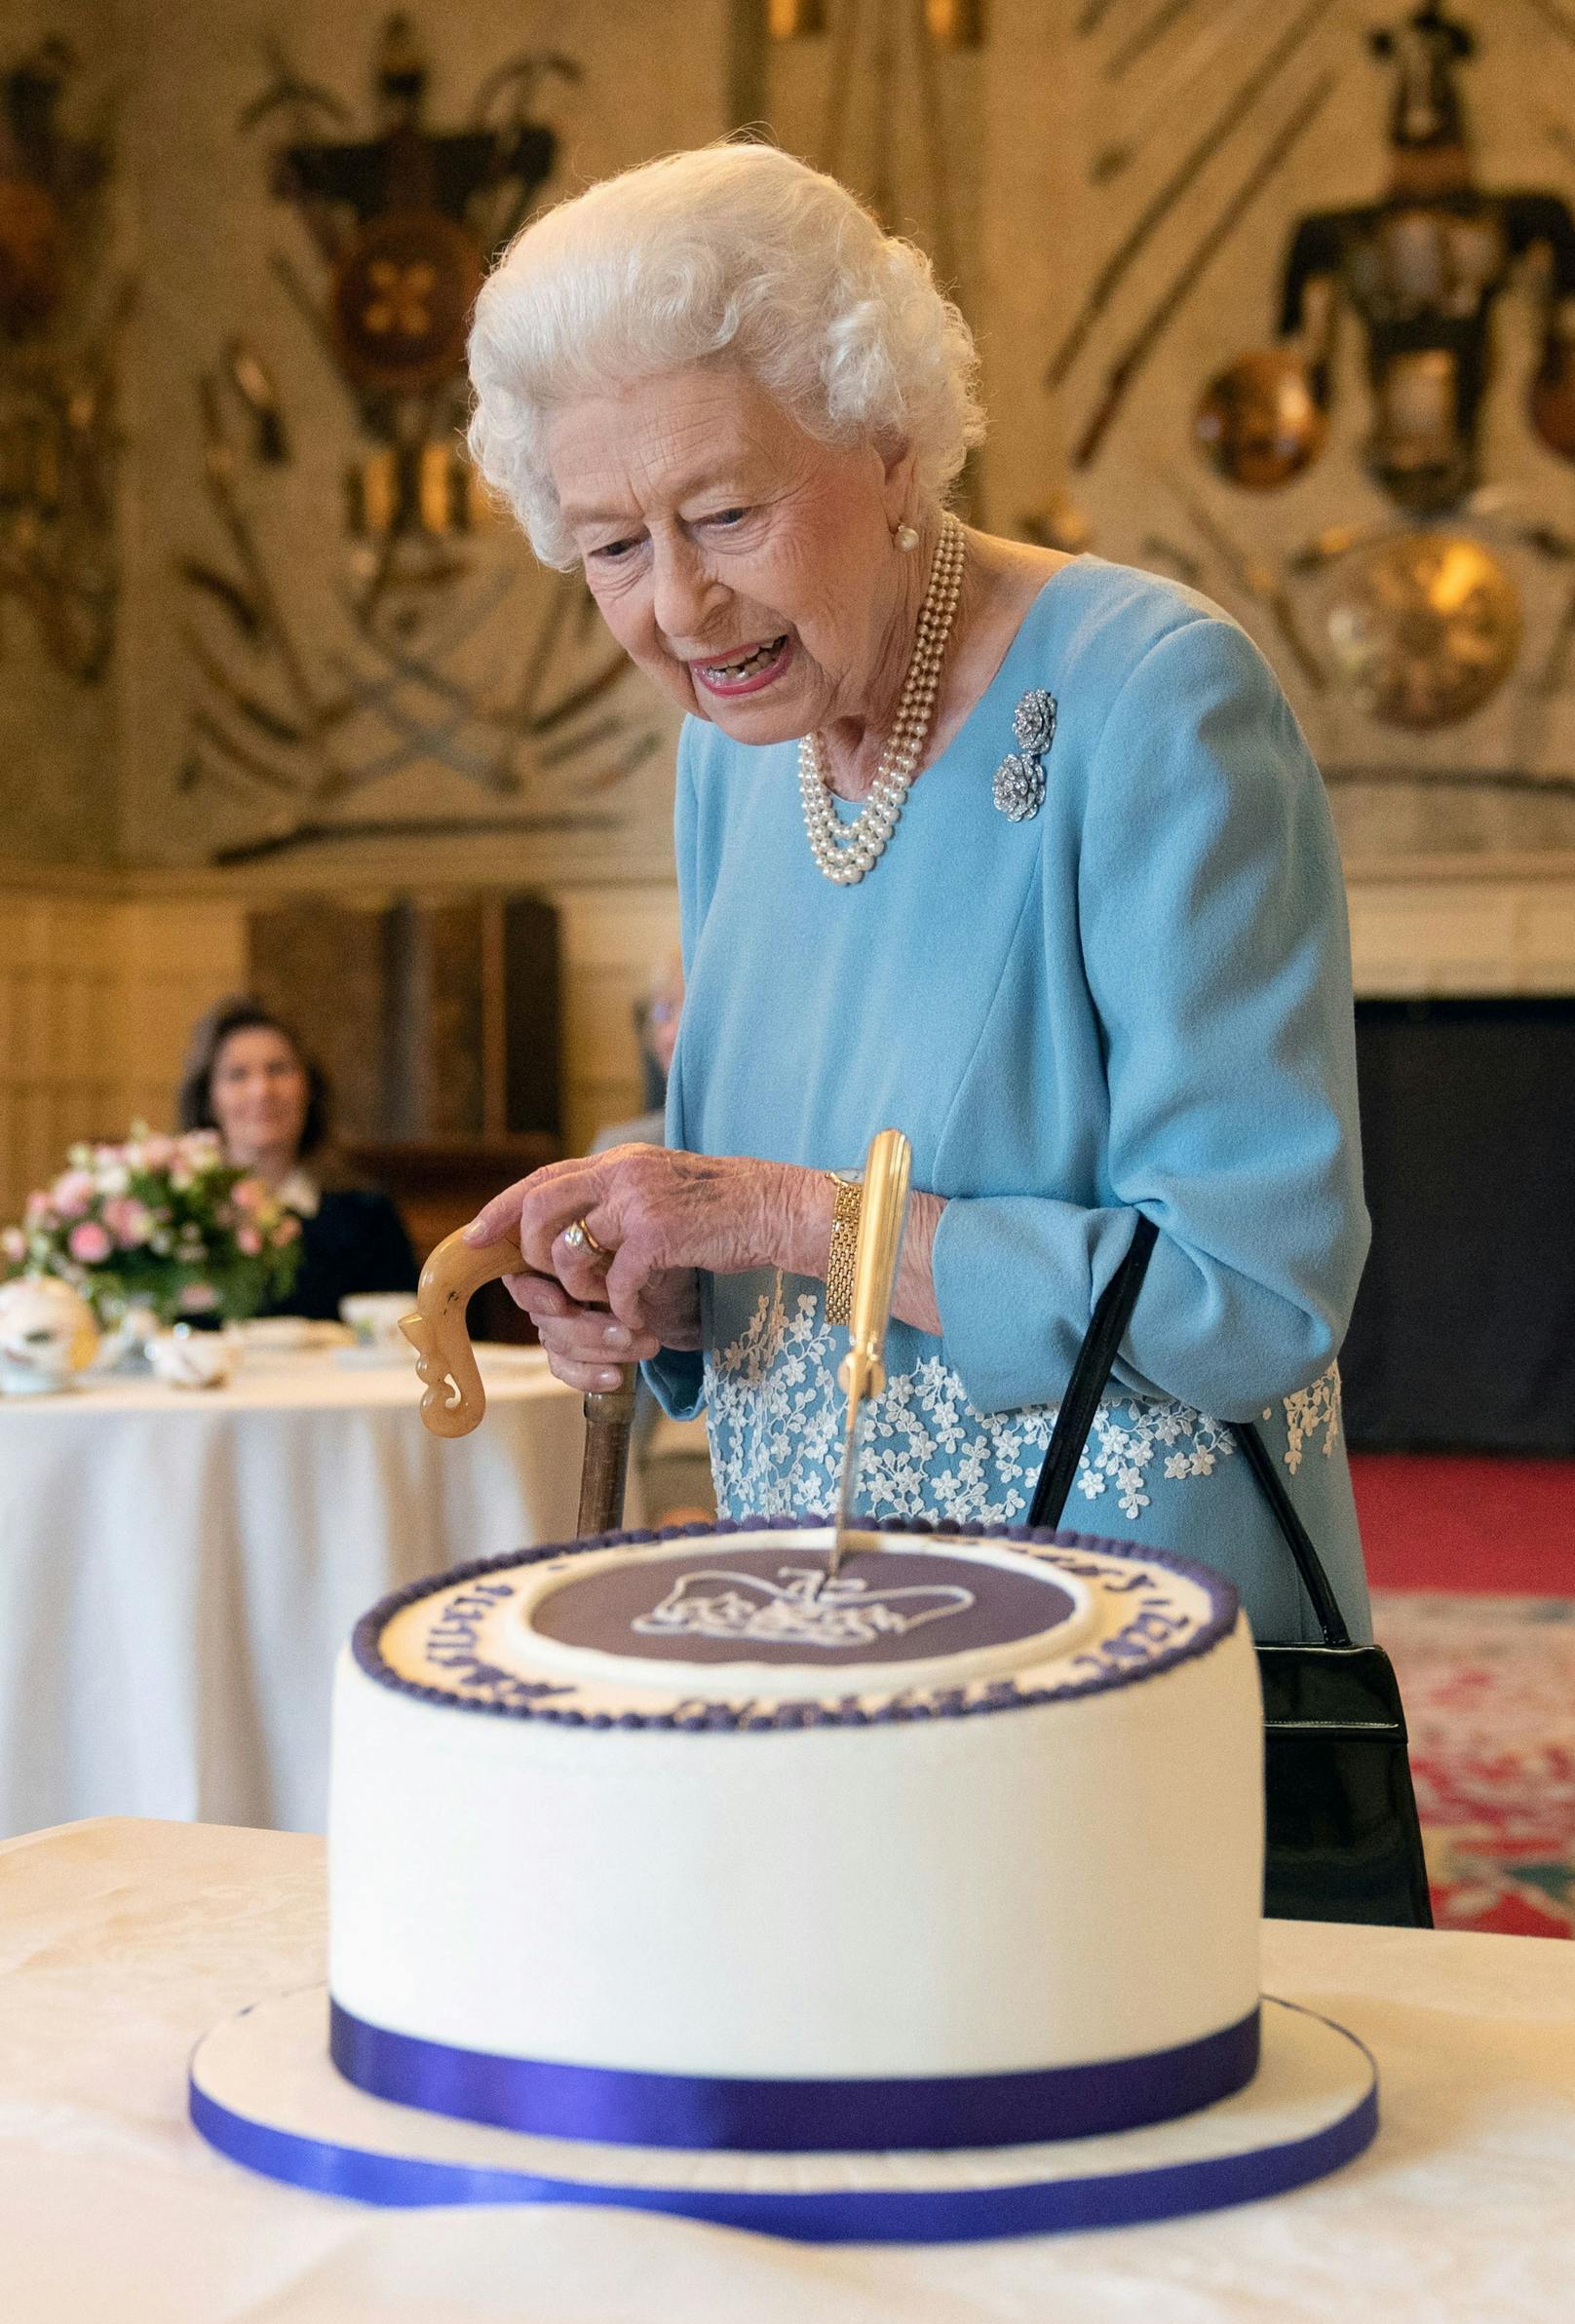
{"x":356,"y":1243}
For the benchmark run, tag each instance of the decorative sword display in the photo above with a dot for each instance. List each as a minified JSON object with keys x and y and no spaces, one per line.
{"x":1179,"y":182}
{"x":1273,"y":158}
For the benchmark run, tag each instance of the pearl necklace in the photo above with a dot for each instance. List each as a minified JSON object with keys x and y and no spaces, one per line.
{"x":846,"y":852}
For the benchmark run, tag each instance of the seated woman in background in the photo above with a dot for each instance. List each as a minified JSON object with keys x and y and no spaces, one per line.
{"x":247,"y":1077}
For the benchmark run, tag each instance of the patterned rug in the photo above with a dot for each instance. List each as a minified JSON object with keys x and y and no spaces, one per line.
{"x":1488,"y":1685}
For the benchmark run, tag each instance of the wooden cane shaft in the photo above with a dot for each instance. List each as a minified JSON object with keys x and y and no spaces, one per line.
{"x":609,"y":1417}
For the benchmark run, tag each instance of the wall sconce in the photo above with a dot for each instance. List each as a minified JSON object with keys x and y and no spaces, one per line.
{"x":794,"y":19}
{"x":407,"y":489}
{"x":952,"y":23}
{"x":956,"y":23}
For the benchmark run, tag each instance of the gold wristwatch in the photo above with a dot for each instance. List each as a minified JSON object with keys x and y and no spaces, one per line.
{"x":844,"y":1251}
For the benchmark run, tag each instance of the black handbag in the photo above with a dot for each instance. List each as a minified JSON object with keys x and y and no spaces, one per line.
{"x":1343,"y":1837}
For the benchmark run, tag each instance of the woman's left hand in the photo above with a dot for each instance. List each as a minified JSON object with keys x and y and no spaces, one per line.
{"x":655,"y":1213}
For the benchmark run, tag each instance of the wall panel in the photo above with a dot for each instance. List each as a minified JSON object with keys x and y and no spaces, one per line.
{"x":101,"y":978}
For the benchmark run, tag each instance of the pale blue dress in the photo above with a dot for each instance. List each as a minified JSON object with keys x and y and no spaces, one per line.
{"x":1137,"y":998}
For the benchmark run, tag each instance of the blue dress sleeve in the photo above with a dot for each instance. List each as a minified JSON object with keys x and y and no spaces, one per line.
{"x":676,"y":1376}
{"x":1216,"y":956}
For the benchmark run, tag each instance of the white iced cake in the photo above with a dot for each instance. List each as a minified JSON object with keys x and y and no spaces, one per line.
{"x":680,"y":1841}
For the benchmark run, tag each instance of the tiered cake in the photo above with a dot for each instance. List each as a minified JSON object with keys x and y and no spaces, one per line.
{"x":888,"y":1898}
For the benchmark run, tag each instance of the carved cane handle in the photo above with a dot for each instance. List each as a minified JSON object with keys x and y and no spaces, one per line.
{"x":456,"y":1400}
{"x":445,"y":1362}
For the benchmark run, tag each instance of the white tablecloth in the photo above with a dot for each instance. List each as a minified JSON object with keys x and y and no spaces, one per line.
{"x":121,"y":1943}
{"x":178,"y":1569}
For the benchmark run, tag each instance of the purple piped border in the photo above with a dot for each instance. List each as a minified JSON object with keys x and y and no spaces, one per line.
{"x":711,"y":1718}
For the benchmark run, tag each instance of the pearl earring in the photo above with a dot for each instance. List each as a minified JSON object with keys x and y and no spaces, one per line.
{"x":906,"y":539}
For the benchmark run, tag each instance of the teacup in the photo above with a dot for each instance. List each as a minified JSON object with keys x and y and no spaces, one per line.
{"x":186,"y":1358}
{"x":47,"y":1334}
{"x":375,"y":1316}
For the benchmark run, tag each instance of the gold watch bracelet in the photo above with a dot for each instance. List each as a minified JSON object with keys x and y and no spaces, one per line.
{"x":842,"y":1257}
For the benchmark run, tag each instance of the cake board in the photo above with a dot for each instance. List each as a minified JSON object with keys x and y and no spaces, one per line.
{"x":263,"y":2091}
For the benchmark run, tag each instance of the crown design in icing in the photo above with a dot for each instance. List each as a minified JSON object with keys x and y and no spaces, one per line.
{"x":804,"y":1607}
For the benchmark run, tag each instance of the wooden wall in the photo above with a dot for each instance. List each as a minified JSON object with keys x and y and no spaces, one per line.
{"x":99,"y":987}
{"x":102,"y":976}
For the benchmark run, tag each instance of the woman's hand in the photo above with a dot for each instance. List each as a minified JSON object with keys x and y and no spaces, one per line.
{"x":659,"y":1216}
{"x":585,"y":1343}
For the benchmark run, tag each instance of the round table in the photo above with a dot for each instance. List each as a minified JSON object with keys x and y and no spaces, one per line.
{"x":179,"y":1568}
{"x":122,"y":1944}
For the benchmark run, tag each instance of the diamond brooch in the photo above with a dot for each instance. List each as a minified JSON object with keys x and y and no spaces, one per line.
{"x":1020,"y":779}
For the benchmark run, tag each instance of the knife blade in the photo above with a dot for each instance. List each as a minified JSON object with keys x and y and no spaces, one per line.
{"x":888,"y":1171}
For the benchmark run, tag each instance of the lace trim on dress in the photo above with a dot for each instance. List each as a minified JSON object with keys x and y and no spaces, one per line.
{"x":776,"y":1415}
{"x":1309,"y":1410}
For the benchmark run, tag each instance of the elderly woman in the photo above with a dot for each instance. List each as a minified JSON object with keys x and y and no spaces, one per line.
{"x":1020,"y":853}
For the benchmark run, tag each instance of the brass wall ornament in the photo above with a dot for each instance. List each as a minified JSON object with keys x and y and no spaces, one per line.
{"x":1421,"y":268}
{"x":1261,"y":420}
{"x":1424,"y":628}
{"x":404,"y":223}
{"x":59,"y":325}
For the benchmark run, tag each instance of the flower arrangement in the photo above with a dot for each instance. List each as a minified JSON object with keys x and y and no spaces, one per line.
{"x":159,"y":1223}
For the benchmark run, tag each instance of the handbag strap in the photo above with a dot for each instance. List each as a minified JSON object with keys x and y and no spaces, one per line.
{"x":1309,"y":1565}
{"x":1111,"y":1316}
{"x":1091,"y":1374}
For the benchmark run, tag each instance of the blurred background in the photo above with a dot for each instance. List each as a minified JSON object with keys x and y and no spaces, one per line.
{"x":1275,"y":299}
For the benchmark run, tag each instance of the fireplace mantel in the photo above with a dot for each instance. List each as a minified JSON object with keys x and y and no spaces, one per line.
{"x":1461,"y":924}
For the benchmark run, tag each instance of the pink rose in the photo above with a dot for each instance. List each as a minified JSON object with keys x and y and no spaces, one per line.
{"x":248,"y":1193}
{"x":74,"y":1189}
{"x":14,"y":1242}
{"x":88,"y":1243}
{"x":157,"y":1153}
{"x":129,"y":1221}
{"x":40,"y":1211}
{"x":248,"y":1239}
{"x":289,"y":1227}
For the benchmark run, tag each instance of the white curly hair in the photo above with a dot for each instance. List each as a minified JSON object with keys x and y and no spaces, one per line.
{"x":734,"y":249}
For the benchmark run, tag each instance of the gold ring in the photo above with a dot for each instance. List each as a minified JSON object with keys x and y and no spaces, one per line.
{"x":578,"y":1237}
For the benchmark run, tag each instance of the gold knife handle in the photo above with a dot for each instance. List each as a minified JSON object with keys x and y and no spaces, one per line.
{"x":888,"y":1170}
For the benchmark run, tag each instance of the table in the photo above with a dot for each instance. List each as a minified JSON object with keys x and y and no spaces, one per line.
{"x":178,"y":1569}
{"x":121,"y":1943}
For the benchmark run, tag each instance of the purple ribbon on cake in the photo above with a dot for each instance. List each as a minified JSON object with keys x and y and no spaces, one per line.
{"x":706,"y":2112}
{"x":1102,"y":2190}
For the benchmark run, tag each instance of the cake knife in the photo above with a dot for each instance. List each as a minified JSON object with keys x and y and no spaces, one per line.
{"x":888,"y":1168}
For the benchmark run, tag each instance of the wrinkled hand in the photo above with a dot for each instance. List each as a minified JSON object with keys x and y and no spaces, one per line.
{"x":660,"y":1216}
{"x":585,"y":1341}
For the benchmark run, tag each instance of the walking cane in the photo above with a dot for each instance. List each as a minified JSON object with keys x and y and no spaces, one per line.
{"x":456,"y":1400}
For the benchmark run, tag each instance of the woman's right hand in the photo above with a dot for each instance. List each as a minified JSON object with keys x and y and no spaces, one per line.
{"x":586,"y":1346}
